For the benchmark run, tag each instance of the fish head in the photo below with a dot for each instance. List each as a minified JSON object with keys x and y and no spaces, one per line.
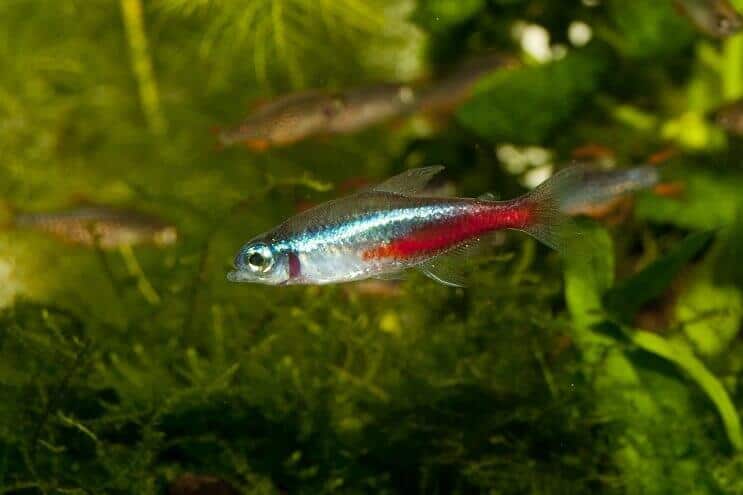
{"x":730,"y":117}
{"x":727,"y":20}
{"x":717,"y":18}
{"x":722,"y":19}
{"x":259,"y":262}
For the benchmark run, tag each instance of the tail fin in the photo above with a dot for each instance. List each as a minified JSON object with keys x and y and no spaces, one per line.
{"x":549,"y":224}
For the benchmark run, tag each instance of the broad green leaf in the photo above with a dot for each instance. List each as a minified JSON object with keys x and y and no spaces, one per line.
{"x":586,"y":278}
{"x":525,"y":105}
{"x":631,"y":294}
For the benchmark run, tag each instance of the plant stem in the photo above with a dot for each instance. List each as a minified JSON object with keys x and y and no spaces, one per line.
{"x":142,"y":64}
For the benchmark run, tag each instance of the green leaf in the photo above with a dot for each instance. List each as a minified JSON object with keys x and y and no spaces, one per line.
{"x":586,"y":278}
{"x":625,"y":299}
{"x":681,"y":356}
{"x":525,"y":105}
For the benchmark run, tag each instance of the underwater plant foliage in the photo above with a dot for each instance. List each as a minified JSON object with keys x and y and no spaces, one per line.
{"x":613,"y":369}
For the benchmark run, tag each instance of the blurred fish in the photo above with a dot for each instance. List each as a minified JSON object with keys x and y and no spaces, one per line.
{"x":298,"y":116}
{"x":380,"y":232}
{"x":730,"y":118}
{"x":287,"y":120}
{"x":717,"y":18}
{"x":103,"y":226}
{"x":363,"y":107}
{"x":604,"y":189}
{"x":448,"y":93}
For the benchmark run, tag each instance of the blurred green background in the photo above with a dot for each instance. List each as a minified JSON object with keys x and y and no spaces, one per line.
{"x":123,"y":370}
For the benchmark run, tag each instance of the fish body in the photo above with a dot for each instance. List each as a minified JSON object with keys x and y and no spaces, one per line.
{"x":363,"y":107}
{"x":285,"y":121}
{"x":386,"y":230}
{"x":449,"y":92}
{"x":100,"y":226}
{"x":717,"y":18}
{"x":730,"y":117}
{"x":299,"y":116}
{"x":604,"y":188}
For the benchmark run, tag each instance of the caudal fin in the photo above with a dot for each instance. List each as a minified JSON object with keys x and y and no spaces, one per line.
{"x":548,"y":223}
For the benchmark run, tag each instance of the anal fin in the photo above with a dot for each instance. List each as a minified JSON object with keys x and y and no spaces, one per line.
{"x":442,"y":272}
{"x":450,"y":267}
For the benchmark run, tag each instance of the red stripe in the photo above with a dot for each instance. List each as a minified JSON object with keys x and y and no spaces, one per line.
{"x":438,"y":237}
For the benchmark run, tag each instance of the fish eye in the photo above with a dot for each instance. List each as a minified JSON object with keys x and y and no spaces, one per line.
{"x":258,"y":258}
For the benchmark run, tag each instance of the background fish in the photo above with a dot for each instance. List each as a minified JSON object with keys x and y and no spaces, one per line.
{"x":730,"y":117}
{"x":301,"y":115}
{"x":388,"y":229}
{"x":602,"y":189}
{"x":287,"y":120}
{"x":448,"y":93}
{"x":364,"y":107}
{"x":716,"y":18}
{"x":103,"y":226}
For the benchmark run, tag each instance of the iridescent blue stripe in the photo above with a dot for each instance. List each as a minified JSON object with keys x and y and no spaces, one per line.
{"x":380,"y":226}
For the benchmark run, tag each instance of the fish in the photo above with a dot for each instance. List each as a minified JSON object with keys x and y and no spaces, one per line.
{"x":285,"y":121}
{"x":386,"y":230}
{"x":448,"y":93}
{"x":604,"y":189}
{"x":364,"y":107}
{"x":716,"y":18}
{"x":730,"y":117}
{"x":96,"y":225}
{"x":309,"y":113}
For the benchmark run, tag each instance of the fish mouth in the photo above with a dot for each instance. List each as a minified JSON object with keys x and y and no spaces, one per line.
{"x":238,"y":276}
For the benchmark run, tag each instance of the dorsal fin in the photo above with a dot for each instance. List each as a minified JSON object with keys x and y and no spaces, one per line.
{"x":410,"y":182}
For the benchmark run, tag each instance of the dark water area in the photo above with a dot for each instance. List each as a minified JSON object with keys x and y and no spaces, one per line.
{"x":142,"y":143}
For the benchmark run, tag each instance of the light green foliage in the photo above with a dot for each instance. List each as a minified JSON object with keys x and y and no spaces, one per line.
{"x":627,"y":385}
{"x":273,"y":37}
{"x":615,"y":369}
